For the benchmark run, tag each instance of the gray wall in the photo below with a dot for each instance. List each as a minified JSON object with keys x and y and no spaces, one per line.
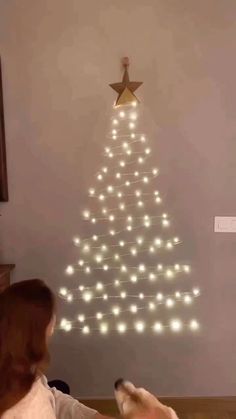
{"x":58,"y":57}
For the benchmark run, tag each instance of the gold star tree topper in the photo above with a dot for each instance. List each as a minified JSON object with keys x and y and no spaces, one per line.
{"x":126,"y":88}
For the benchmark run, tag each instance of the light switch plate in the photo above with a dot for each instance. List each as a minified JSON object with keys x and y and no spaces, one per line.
{"x":225,"y":224}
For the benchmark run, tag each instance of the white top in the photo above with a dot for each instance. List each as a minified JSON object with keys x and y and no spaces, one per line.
{"x":42,"y":402}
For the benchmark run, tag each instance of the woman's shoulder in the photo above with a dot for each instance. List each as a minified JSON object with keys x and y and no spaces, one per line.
{"x":38,"y":403}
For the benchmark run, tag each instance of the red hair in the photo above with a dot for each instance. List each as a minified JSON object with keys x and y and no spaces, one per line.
{"x":26,"y":309}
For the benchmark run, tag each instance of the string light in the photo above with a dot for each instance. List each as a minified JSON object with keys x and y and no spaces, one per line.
{"x":128,"y":192}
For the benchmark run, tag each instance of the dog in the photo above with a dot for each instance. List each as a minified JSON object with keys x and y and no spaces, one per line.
{"x":137,"y":403}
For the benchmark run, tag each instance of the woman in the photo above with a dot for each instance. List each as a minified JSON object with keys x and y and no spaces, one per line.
{"x":27,"y":319}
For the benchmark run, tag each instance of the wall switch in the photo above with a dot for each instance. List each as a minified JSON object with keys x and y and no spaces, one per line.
{"x":225,"y":224}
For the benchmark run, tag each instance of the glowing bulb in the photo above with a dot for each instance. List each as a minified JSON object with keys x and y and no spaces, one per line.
{"x":131,"y":125}
{"x":87,"y":270}
{"x":94,"y":220}
{"x":196,"y":291}
{"x":116,"y":256}
{"x":186,"y":268}
{"x":98,"y":258}
{"x":81,"y":287}
{"x":143,"y":139}
{"x":158,"y":242}
{"x":69,"y":298}
{"x":70,"y":270}
{"x":169,"y":245}
{"x":177,"y":267}
{"x":133,"y":251}
{"x":81,"y":318}
{"x":111,"y":155}
{"x":104,"y":328}
{"x":121,"y":243}
{"x":107,"y":149}
{"x":110,"y":189}
{"x":133,"y":309}
{"x":122,"y":114}
{"x":159,"y":297}
{"x":152,"y":276}
{"x":158,"y":200}
{"x":86,"y":248}
{"x":81,"y":262}
{"x":145,"y":179}
{"x":140,"y":160}
{"x":91,"y":191}
{"x":133,"y":278}
{"x":122,"y":163}
{"x":176,"y":325}
{"x":63,"y":291}
{"x":158,"y":327}
{"x":147,"y":223}
{"x":155,"y":172}
{"x":99,"y":286}
{"x":159,"y":267}
{"x":121,"y":327}
{"x":105,"y":267}
{"x":86,"y":330}
{"x":112,"y":232}
{"x":129,"y":152}
{"x":140,"y":326}
{"x":127,"y":183}
{"x":151,"y":306}
{"x":118,"y":175}
{"x":125,"y":145}
{"x":132,"y":135}
{"x":95,"y":238}
{"x":136,"y":174}
{"x":115,"y":122}
{"x":169,"y":273}
{"x":129,"y":228}
{"x":188,"y":299}
{"x":141,"y":296}
{"x":104,"y":248}
{"x":139,"y":240}
{"x":134,"y":104}
{"x":170,"y":303}
{"x":114,"y":131}
{"x":76,"y":241}
{"x":104,"y":169}
{"x":123,"y":268}
{"x":142,"y":268}
{"x":147,"y":151}
{"x":178,"y":294}
{"x":105,"y":297}
{"x":140,"y":204}
{"x":114,"y":137}
{"x":133,"y":116}
{"x":111,"y":218}
{"x":151,"y":249}
{"x":117,"y":283}
{"x":165,"y":223}
{"x":86,"y":214}
{"x":122,"y":206}
{"x":101,"y":197}
{"x":87,"y":296}
{"x":68,"y":327}
{"x":123,"y":294}
{"x":119,"y":194}
{"x":99,"y":316}
{"x":116,"y":311}
{"x":63,"y":323}
{"x":176,"y":240}
{"x":194,"y":325}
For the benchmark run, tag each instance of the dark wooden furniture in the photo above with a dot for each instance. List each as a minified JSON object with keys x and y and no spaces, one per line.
{"x":186,"y":408}
{"x":5,"y":272}
{"x":3,"y":161}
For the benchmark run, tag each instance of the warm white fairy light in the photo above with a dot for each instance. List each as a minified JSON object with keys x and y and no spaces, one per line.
{"x":187,"y":268}
{"x":177,"y":267}
{"x":63,"y":291}
{"x":145,"y":179}
{"x":101,"y":197}
{"x":158,"y":327}
{"x":176,"y":325}
{"x":69,"y":298}
{"x":127,"y":183}
{"x":114,"y":131}
{"x":117,"y":283}
{"x":121,"y":243}
{"x":142,"y":268}
{"x":176,"y":240}
{"x":99,"y":286}
{"x":147,"y":151}
{"x":141,"y":296}
{"x":170,"y":303}
{"x":104,"y":248}
{"x":105,"y":267}
{"x":122,"y":114}
{"x":165,"y":223}
{"x":68,"y":327}
{"x":160,"y":267}
{"x":140,"y":326}
{"x":140,"y":160}
{"x":196,"y":291}
{"x":104,"y":328}
{"x":105,"y":297}
{"x":194,"y":325}
{"x":86,"y":214}
{"x":159,"y":297}
{"x":140,"y":240}
{"x":110,"y":189}
{"x":87,"y":296}
{"x":116,"y":311}
{"x":99,"y":316}
{"x":178,"y":294}
{"x":94,"y":220}
{"x":86,"y":330}
{"x":133,"y":116}
{"x":169,"y":273}
{"x":131,"y":125}
{"x":120,"y":194}
{"x":122,"y":206}
{"x":134,"y":278}
{"x":99,"y":177}
{"x":121,"y":327}
{"x":81,"y":318}
{"x":188,"y":299}
{"x":123,"y":294}
{"x":70,"y":270}
{"x":123,"y":268}
{"x":152,"y":276}
{"x":133,"y":251}
{"x":81,"y":287}
{"x":76,"y":241}
{"x":86,"y":248}
{"x":122,"y":163}
{"x":133,"y":308}
{"x":112,"y":232}
{"x":95,"y":238}
{"x":143,"y":139}
{"x":81,"y":262}
{"x":118,"y":175}
{"x":151,"y":306}
{"x":87,"y":270}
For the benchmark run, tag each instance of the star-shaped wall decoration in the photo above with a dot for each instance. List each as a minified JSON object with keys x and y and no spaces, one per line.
{"x":126,"y":88}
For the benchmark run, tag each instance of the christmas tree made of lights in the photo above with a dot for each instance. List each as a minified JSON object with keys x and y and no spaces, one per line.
{"x":126,"y":266}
